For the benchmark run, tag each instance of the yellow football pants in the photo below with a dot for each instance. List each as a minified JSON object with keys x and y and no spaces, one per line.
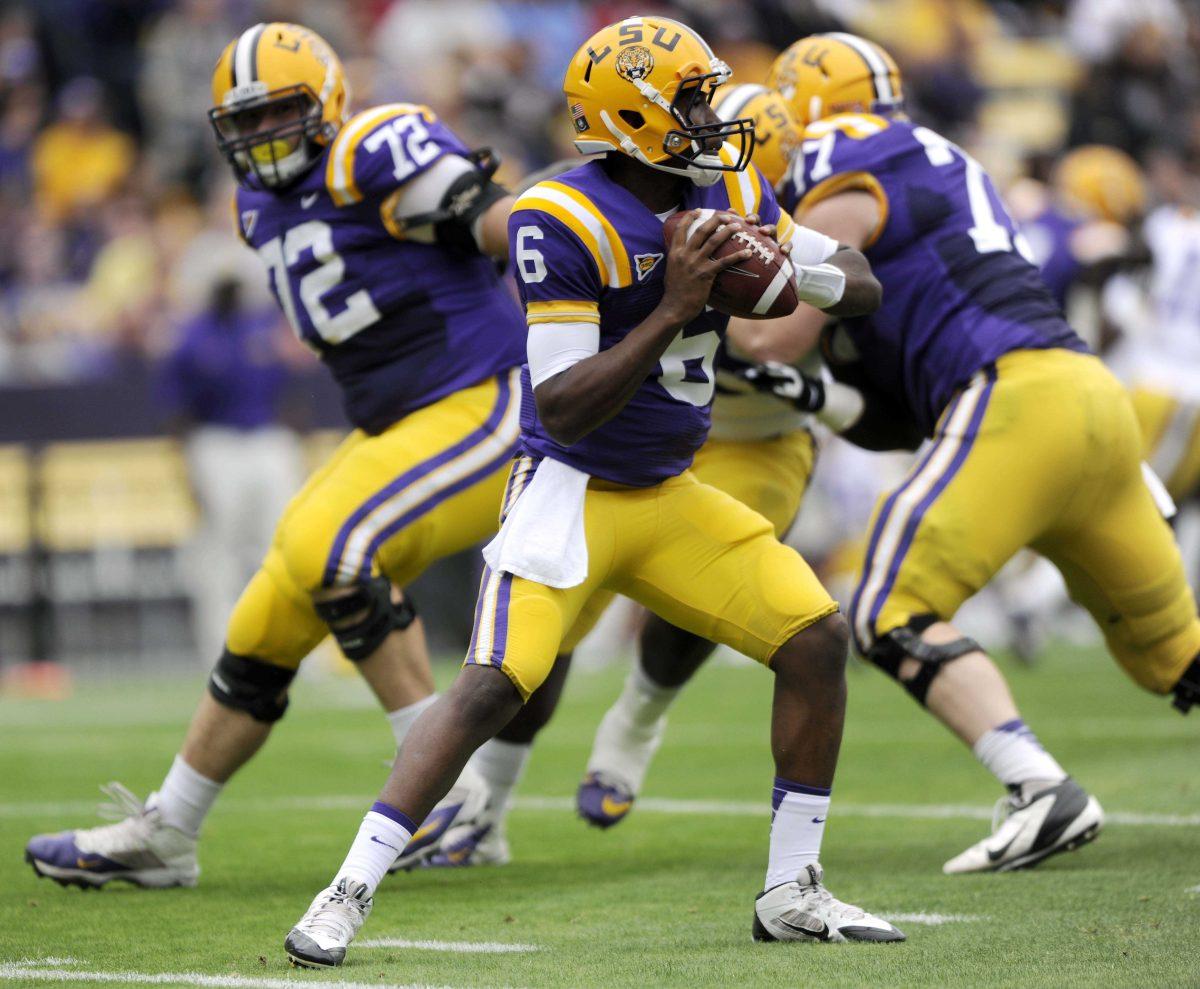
{"x":768,"y":475}
{"x":1042,"y":450}
{"x":1171,"y":438}
{"x":690,"y":553}
{"x":393,"y":503}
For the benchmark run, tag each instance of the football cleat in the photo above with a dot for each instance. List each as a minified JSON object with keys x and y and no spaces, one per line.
{"x":805,"y":910}
{"x":482,"y":843}
{"x":140,"y":848}
{"x":1029,"y":828}
{"x":461,"y":807}
{"x":601,"y":802}
{"x":321,"y":936}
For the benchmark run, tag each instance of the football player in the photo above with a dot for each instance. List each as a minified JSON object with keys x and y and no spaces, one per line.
{"x":1033,"y":443}
{"x":378,"y":231}
{"x":620,"y":365}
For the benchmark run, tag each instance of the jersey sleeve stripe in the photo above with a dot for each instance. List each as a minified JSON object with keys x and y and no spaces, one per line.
{"x":741,"y":187}
{"x":847,"y":182}
{"x":620,"y":270}
{"x":577,"y":310}
{"x":784,"y":228}
{"x":339,"y":168}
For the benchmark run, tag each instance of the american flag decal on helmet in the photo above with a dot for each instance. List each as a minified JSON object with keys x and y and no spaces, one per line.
{"x":578,"y":118}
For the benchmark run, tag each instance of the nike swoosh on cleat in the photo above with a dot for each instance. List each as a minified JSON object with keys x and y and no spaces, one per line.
{"x":818,"y":820}
{"x":997,"y":854}
{"x":615,"y":808}
{"x":375,"y":838}
{"x":821,"y":933}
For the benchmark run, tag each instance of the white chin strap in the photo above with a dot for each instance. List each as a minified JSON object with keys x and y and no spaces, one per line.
{"x":281,"y":171}
{"x":698,"y":172}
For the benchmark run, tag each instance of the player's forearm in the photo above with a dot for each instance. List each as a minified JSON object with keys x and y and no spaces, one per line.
{"x":491,"y":229}
{"x":589,"y":393}
{"x":786,"y":339}
{"x":863,"y":293}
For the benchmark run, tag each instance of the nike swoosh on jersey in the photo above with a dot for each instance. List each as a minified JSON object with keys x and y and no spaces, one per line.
{"x":307,"y":201}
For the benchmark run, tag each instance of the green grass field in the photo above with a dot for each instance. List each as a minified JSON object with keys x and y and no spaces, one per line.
{"x":662,"y":900}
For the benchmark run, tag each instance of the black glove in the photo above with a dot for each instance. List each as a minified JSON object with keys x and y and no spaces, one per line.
{"x":804,"y":391}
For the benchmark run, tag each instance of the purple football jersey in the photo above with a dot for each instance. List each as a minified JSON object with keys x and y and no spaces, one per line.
{"x":587,"y":249}
{"x":1049,"y":237}
{"x":399,"y":323}
{"x":959,"y":289}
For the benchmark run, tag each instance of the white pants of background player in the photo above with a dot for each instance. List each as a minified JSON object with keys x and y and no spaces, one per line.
{"x":242,"y":481}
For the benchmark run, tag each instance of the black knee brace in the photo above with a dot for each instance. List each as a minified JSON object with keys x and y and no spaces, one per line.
{"x":1187,"y":690}
{"x":378,"y":617}
{"x":251,"y":685}
{"x":903,"y":643}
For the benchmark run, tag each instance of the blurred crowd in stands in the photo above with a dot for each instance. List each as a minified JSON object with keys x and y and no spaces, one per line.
{"x":116,"y":213}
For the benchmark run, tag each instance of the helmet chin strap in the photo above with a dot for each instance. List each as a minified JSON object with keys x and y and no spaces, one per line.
{"x":699,"y":176}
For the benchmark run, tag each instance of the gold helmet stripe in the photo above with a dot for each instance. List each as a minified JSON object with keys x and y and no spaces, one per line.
{"x":731,"y":107}
{"x":878,"y":66}
{"x":245,"y":55}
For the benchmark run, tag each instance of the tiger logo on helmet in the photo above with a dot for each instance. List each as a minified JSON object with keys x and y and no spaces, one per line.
{"x":280,"y":96}
{"x":776,"y":135}
{"x":636,"y":87}
{"x":826,"y":74}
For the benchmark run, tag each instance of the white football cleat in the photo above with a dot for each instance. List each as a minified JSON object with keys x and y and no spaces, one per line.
{"x":805,"y":910}
{"x":616,"y":769}
{"x":1028,"y":828}
{"x":321,"y":936}
{"x":140,"y":848}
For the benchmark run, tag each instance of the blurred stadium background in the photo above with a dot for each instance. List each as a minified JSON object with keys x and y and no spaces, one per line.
{"x":135,"y":500}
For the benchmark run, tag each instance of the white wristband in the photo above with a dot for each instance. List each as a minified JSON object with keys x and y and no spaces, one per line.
{"x":820,"y":285}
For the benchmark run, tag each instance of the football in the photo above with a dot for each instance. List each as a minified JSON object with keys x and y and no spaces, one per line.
{"x":761,"y":287}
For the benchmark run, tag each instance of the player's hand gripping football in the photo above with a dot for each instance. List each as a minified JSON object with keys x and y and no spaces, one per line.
{"x":693,"y":264}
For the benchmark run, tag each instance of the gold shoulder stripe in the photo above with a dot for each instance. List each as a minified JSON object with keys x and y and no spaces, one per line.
{"x":339,"y":166}
{"x":853,"y":125}
{"x":848,"y":182}
{"x":579,"y":215}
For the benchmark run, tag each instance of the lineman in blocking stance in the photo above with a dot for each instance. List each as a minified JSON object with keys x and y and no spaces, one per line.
{"x":378,"y":231}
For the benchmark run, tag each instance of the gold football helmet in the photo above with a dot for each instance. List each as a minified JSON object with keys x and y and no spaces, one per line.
{"x":636,"y":87}
{"x":775,"y":132}
{"x":825,"y":74}
{"x":1101,"y":182}
{"x":279,"y":95}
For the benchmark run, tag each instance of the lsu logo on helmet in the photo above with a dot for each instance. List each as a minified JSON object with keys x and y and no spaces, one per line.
{"x":635,"y":87}
{"x":825,"y":74}
{"x":776,"y":135}
{"x":279,"y":93}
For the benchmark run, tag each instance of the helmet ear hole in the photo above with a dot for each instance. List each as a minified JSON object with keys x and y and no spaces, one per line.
{"x":632,"y":118}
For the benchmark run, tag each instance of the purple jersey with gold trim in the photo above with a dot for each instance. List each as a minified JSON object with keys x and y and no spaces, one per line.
{"x":587,"y":250}
{"x":400,"y":324}
{"x":958,"y":287}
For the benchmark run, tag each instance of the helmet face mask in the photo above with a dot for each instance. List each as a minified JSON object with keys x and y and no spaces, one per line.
{"x":695,"y":145}
{"x":275,"y":155}
{"x":279,"y":97}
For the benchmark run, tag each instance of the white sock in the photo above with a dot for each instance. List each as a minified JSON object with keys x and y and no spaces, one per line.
{"x":381,"y":838}
{"x":501,"y":764}
{"x":186,"y":797}
{"x":643,"y":701}
{"x":797,"y":827}
{"x":1012,"y":753}
{"x":402,"y":719}
{"x":631,"y":731}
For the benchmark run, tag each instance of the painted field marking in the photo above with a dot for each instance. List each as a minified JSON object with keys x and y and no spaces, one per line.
{"x":1193,"y":889}
{"x":654,"y":805}
{"x":458,"y":947}
{"x":34,"y":971}
{"x":934,"y":919}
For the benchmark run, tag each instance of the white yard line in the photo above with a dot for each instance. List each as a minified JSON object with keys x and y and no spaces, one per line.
{"x":932,"y":919}
{"x":1193,"y":889}
{"x":654,"y":805}
{"x":456,"y":947}
{"x":38,"y":972}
